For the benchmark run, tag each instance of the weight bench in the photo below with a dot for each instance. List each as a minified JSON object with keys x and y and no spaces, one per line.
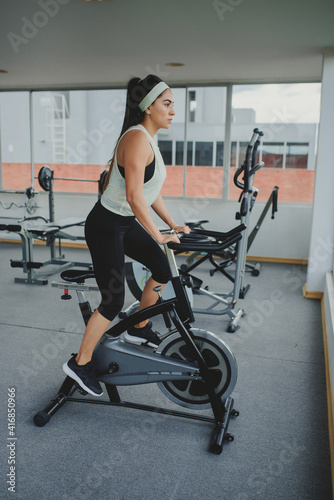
{"x":48,"y":232}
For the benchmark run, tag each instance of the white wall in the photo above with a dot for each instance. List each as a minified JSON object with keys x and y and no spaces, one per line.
{"x":287,"y":236}
{"x":329,"y":318}
{"x":320,"y":267}
{"x":322,"y":234}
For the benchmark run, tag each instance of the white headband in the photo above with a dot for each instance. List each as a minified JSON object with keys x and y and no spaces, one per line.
{"x":152,"y":95}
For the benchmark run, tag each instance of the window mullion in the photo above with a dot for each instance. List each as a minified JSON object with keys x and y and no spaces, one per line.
{"x":227,"y":142}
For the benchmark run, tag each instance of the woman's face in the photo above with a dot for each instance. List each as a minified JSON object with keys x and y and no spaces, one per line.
{"x":162,"y":110}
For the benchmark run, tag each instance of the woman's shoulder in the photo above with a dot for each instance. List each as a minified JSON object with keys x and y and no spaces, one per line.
{"x":134,"y":143}
{"x":135,"y":136}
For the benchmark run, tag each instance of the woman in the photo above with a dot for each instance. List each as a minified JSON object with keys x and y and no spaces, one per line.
{"x":120,"y":223}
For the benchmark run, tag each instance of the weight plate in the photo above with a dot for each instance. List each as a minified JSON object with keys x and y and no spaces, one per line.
{"x":44,"y":178}
{"x":30,"y":192}
{"x":31,"y":206}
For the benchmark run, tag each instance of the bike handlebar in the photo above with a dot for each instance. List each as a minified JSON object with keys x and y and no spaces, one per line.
{"x":223,"y":240}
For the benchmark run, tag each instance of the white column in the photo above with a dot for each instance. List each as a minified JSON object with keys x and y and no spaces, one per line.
{"x":322,"y":235}
{"x":227,"y":143}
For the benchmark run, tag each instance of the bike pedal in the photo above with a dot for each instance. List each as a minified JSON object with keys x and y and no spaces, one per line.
{"x":80,"y":389}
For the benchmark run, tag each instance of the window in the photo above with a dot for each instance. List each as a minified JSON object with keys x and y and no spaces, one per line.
{"x":179,"y":153}
{"x":15,"y":140}
{"x":297,"y":155}
{"x":288,"y":115}
{"x":166,"y":151}
{"x":204,"y":175}
{"x":272,"y":154}
{"x":204,"y":154}
{"x":76,"y":144}
{"x":234,"y":161}
{"x":242,"y":148}
{"x":192,"y":105}
{"x":75,"y":132}
{"x":61,"y":104}
{"x":219,"y":154}
{"x":171,"y":141}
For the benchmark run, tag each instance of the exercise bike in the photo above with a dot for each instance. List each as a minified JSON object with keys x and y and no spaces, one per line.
{"x":194,"y":368}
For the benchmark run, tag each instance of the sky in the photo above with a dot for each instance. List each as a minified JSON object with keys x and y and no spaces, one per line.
{"x":295,"y":103}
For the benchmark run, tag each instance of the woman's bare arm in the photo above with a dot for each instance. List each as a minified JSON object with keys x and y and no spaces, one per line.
{"x":161,"y":210}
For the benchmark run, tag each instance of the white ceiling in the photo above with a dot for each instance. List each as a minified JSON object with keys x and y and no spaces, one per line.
{"x":72,"y":43}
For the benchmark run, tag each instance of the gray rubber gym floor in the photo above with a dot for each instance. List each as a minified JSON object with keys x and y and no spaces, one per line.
{"x":280,"y":450}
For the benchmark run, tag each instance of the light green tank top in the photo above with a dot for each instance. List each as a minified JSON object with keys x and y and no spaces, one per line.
{"x":114,"y":197}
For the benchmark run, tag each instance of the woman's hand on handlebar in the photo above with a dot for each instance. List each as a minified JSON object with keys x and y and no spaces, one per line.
{"x":166,"y":238}
{"x":182,"y":229}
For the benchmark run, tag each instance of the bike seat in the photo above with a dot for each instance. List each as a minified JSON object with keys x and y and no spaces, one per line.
{"x":195,"y":223}
{"x":77,"y":275}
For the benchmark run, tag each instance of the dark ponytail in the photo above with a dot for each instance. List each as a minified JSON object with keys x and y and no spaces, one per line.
{"x":137,"y":89}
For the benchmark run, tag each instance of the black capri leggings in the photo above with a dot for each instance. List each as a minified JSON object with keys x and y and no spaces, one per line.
{"x":110,"y":237}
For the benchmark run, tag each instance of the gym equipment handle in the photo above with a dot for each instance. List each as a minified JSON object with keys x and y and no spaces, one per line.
{"x":208,"y":247}
{"x":249,"y":162}
{"x":219,"y":235}
{"x":14,"y":228}
{"x":274,"y":204}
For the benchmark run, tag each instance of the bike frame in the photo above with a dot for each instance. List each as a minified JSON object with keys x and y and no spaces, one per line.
{"x":179,"y":311}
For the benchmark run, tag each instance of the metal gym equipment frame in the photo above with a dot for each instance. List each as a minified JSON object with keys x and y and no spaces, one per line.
{"x":49,"y":230}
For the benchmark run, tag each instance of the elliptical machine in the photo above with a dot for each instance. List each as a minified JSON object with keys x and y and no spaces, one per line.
{"x":237,"y":252}
{"x":194,"y":368}
{"x":247,"y":200}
